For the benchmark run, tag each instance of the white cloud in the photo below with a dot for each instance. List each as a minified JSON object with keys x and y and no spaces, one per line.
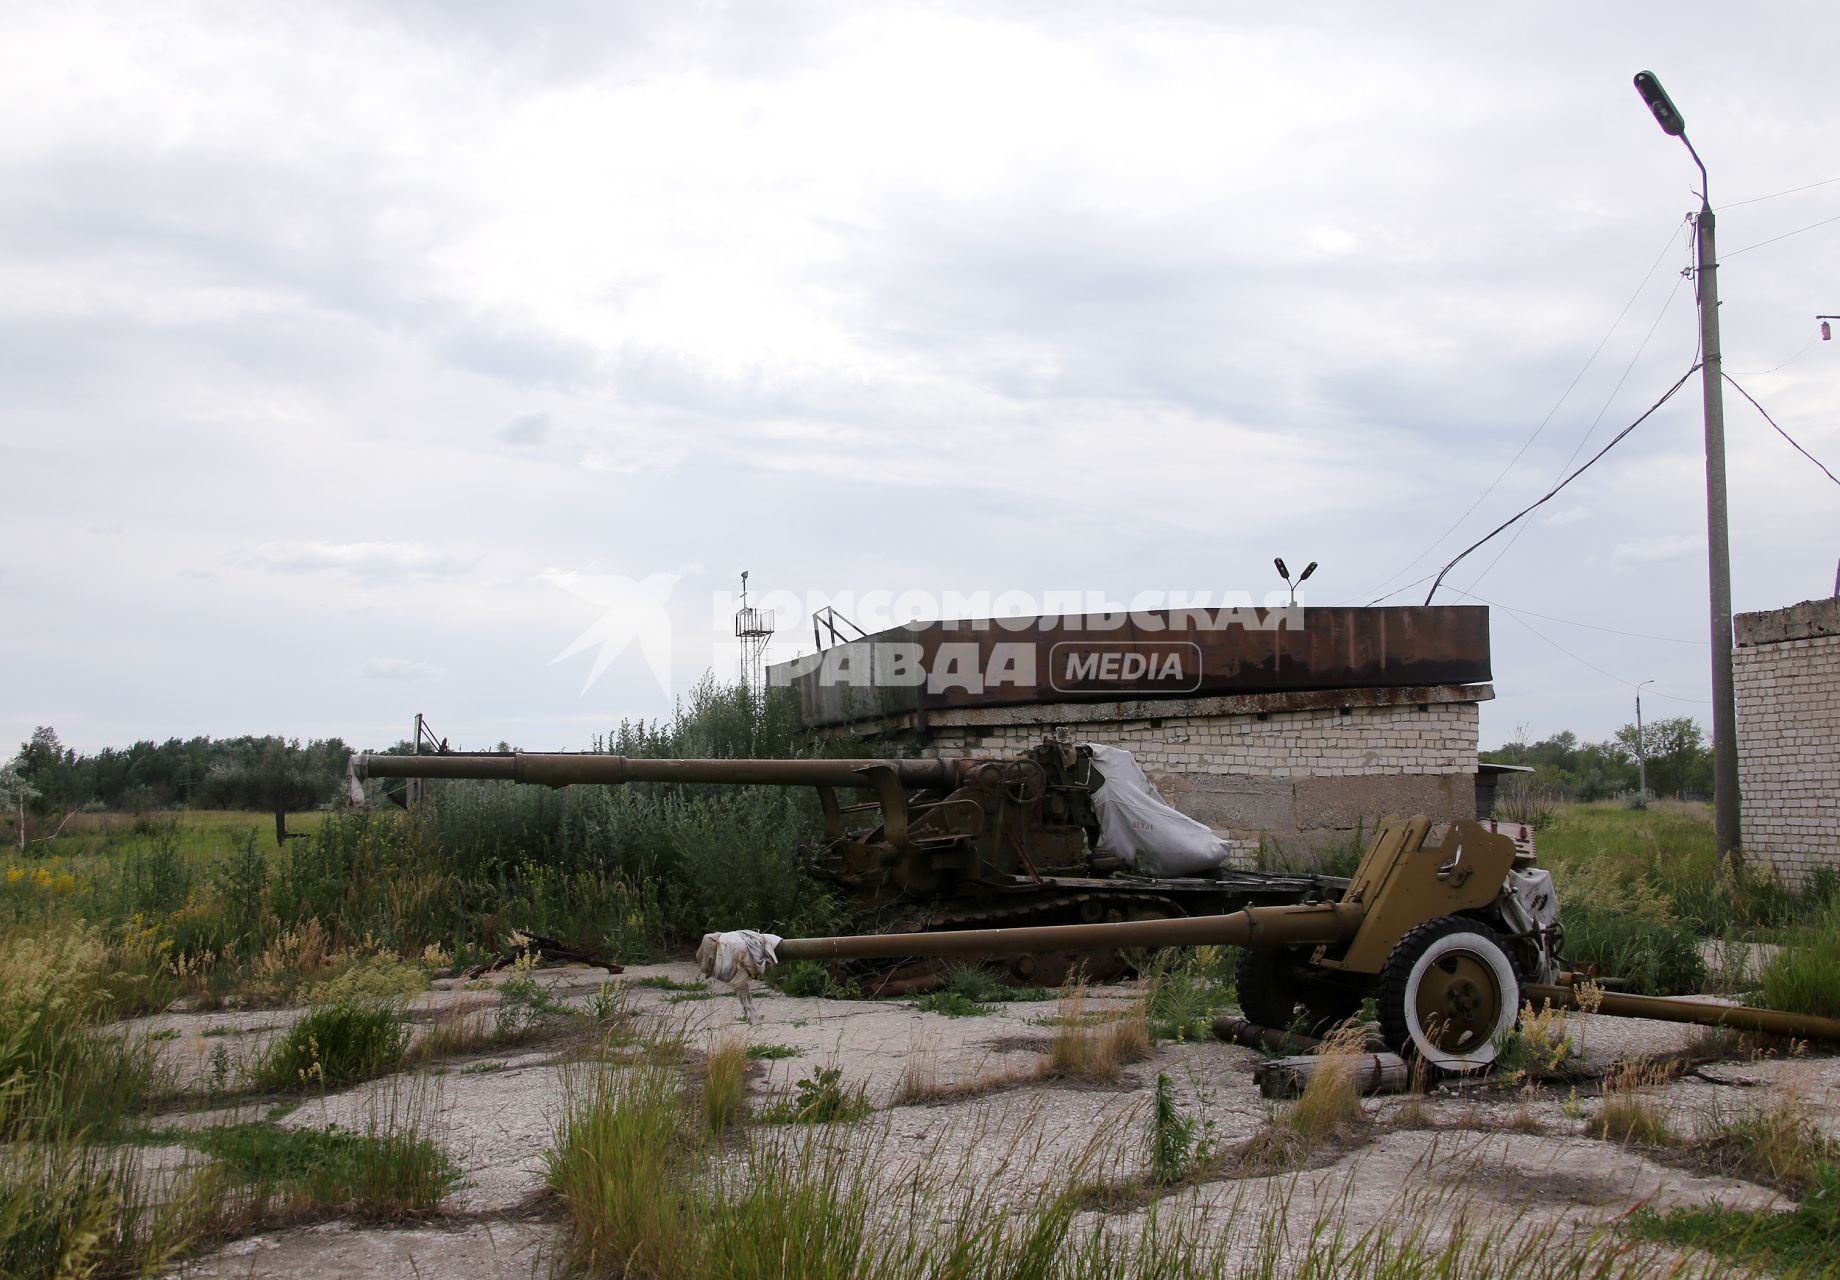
{"x":526,"y":429}
{"x":396,"y":669}
{"x":864,"y":297}
{"x":1659,"y":550}
{"x":370,"y":561}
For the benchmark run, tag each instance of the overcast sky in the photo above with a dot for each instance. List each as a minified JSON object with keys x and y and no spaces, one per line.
{"x":356,"y":360}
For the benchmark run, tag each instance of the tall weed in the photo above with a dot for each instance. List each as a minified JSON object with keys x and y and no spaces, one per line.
{"x":59,"y":1072}
{"x":1804,"y":977}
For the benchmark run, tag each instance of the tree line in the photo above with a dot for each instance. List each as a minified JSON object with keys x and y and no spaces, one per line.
{"x":1678,"y":760}
{"x":47,"y":780}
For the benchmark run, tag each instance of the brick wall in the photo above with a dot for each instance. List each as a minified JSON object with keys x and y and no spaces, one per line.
{"x":1786,"y":669}
{"x":1320,"y":743}
{"x":1286,"y":765}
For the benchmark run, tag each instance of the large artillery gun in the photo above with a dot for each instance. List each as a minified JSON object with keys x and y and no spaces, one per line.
{"x":1448,"y":928}
{"x":936,"y":844}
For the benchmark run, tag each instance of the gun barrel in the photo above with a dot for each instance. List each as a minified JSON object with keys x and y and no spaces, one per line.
{"x":1674,"y":1009}
{"x":566,"y":769}
{"x":1251,"y":927}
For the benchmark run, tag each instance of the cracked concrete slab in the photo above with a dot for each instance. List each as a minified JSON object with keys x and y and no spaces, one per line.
{"x":1523,"y":1157}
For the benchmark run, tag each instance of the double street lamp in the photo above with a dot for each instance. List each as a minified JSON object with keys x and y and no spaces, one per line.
{"x":1718,"y":542}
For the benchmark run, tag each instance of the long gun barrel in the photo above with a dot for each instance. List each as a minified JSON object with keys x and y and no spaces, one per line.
{"x":567,"y":769}
{"x":1316,"y":922}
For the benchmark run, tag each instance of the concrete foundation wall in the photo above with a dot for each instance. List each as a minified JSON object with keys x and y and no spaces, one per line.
{"x":1303,"y":767}
{"x":1786,"y":669}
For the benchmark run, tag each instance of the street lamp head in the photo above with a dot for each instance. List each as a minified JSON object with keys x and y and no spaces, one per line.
{"x":1307,"y":571}
{"x":1282,"y":571}
{"x":1667,"y":115}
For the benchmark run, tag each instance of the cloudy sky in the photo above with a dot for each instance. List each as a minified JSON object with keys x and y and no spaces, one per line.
{"x":361,"y":360}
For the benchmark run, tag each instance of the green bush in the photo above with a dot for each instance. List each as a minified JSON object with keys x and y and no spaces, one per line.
{"x":806,"y":978}
{"x":335,"y":1044}
{"x":1189,"y":988}
{"x":820,"y":1098}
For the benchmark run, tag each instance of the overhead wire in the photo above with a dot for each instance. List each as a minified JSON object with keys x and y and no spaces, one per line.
{"x":1553,"y":492}
{"x":1571,"y":622}
{"x":1776,"y":194}
{"x":1608,"y":675}
{"x":1784,"y":236}
{"x":1528,"y":443}
{"x":1592,"y":429}
{"x":1758,"y":373}
{"x":1779,"y":431}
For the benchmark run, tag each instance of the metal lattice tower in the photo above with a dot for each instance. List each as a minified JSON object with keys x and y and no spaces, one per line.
{"x":753,"y":628}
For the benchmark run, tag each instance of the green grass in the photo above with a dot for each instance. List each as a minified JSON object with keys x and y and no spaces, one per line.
{"x":1669,"y":851}
{"x":388,"y":1173}
{"x":664,"y":982}
{"x":334,"y":1045}
{"x":769,"y":1052}
{"x":1800,"y":1242}
{"x":616,"y":1165}
{"x":970,"y":991}
{"x":806,"y":979}
{"x":60,"y":1073}
{"x":1640,"y":888}
{"x":820,"y":1098}
{"x":1189,"y":988}
{"x":725,"y":1086}
{"x":645,"y":1191}
{"x":203,"y":905}
{"x":1804,"y":977}
{"x":1652,"y":955}
{"x":952,"y":1004}
{"x":69,"y":1210}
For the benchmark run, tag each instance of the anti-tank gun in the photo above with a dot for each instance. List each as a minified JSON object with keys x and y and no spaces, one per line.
{"x":1448,"y":928}
{"x":932,"y":844}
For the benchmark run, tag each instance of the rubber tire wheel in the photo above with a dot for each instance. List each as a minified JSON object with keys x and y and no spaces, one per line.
{"x":1274,"y":991}
{"x":1397,"y":994}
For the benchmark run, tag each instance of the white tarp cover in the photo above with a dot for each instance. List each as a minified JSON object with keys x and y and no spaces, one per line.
{"x":1138,"y":825}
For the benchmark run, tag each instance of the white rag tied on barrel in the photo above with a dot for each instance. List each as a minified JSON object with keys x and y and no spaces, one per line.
{"x":734,"y":957}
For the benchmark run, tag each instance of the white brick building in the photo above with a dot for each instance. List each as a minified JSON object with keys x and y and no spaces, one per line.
{"x":1303,"y":765}
{"x":1786,"y":669}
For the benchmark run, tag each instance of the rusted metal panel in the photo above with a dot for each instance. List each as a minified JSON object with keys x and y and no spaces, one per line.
{"x":1153,"y":654}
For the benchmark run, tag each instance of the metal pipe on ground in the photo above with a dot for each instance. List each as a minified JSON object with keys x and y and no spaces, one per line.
{"x":1254,"y":926}
{"x":1242,"y":1031}
{"x":1802,"y":1026}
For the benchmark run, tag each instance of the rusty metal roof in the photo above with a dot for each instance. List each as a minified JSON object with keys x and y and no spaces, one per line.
{"x":1142,"y":655}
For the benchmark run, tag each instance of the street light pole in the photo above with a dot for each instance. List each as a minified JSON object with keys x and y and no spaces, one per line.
{"x":1725,"y":799}
{"x":1641,"y":748}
